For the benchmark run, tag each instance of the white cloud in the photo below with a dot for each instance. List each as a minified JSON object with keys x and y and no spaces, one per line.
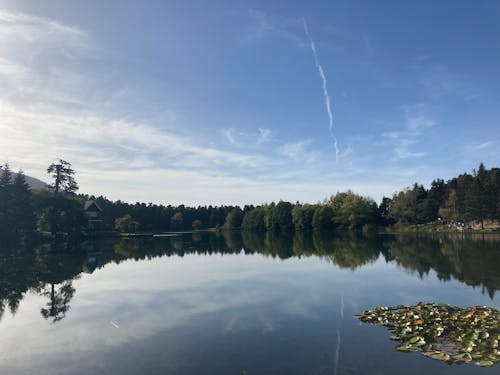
{"x":230,"y":136}
{"x":45,"y":114}
{"x":418,"y":121}
{"x":298,"y":151}
{"x":265,"y":135}
{"x":248,"y":140}
{"x":259,"y":27}
{"x":484,"y":145}
{"x":440,"y":81}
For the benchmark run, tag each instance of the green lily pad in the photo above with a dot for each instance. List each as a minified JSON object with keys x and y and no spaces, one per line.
{"x":442,"y":332}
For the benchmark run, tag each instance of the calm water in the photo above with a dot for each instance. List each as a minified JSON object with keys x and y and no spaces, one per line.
{"x":207,"y":304}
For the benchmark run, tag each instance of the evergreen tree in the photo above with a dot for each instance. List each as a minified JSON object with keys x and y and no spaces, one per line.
{"x":280,"y":216}
{"x":65,"y":211}
{"x":6,"y":202}
{"x":23,"y":210}
{"x":62,"y":173}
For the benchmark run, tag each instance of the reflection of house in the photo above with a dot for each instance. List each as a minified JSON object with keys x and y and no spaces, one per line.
{"x":93,"y":212}
{"x":92,"y":260}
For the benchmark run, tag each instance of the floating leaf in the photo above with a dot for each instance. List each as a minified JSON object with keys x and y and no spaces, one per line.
{"x":442,"y":332}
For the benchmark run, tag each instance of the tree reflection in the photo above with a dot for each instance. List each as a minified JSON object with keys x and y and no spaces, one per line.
{"x":59,"y":300}
{"x":472,"y":261}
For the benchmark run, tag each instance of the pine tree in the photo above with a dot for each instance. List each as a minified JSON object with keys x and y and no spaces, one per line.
{"x":23,"y":211}
{"x":63,"y":177}
{"x":6,"y":202}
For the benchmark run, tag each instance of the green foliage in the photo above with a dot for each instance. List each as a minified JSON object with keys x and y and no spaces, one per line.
{"x":197,"y":224}
{"x":24,"y":214}
{"x":60,"y":210}
{"x":322,"y":218}
{"x":234,"y":219}
{"x":407,"y":206}
{"x":126,"y":223}
{"x":176,"y":221}
{"x":383,"y":211}
{"x":62,"y":173}
{"x":280,"y":217}
{"x":254,"y":219}
{"x":351,"y":210}
{"x":17,"y":216}
{"x":468,"y":197}
{"x":302,"y":216}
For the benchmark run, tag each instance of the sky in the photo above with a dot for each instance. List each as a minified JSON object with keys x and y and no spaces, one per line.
{"x":246,"y":102}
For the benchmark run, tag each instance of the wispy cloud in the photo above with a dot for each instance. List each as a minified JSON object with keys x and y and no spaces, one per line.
{"x":260,"y":27}
{"x":325,"y":88}
{"x":439,"y":81}
{"x":265,"y":135}
{"x":485,"y":145}
{"x":299,"y":151}
{"x":230,"y":136}
{"x":417,"y":123}
{"x":47,"y":111}
{"x":247,"y":140}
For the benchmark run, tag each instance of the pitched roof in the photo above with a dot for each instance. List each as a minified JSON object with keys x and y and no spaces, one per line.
{"x":88,"y":205}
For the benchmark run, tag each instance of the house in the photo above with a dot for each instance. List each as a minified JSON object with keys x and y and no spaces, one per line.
{"x":93,"y":212}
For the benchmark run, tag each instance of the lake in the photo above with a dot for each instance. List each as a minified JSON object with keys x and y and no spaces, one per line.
{"x":209,"y":303}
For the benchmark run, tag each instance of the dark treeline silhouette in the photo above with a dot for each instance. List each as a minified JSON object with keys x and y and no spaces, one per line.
{"x":23,"y":211}
{"x":469,"y":198}
{"x":50,"y":269}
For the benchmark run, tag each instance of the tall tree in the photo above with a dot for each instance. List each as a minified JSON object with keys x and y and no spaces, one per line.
{"x":126,"y":223}
{"x":280,"y":216}
{"x":23,"y":210}
{"x":6,"y":200}
{"x":302,"y":216}
{"x":65,"y":211}
{"x":62,"y":173}
{"x":234,"y":219}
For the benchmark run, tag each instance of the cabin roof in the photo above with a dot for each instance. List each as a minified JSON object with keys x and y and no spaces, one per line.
{"x":91,"y":205}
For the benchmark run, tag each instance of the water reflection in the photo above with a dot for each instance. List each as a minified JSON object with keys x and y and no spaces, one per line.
{"x":49,"y":270}
{"x":222,"y":303}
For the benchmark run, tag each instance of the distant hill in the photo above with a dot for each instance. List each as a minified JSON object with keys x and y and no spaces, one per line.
{"x":34,"y":183}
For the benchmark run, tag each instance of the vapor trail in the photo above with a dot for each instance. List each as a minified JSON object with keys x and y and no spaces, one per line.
{"x":325,"y":88}
{"x":337,"y":352}
{"x":342,"y":305}
{"x":337,"y":349}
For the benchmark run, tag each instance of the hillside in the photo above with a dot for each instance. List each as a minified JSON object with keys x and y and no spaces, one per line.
{"x":34,"y":183}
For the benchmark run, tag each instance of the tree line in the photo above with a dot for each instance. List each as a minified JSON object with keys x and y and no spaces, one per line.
{"x":466,"y":198}
{"x":25,"y":213}
{"x":59,"y":209}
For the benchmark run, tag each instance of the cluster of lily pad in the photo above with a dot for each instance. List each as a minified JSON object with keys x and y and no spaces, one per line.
{"x":443,"y":332}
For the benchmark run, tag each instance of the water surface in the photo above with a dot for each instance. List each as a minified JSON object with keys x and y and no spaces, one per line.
{"x":224,"y":304}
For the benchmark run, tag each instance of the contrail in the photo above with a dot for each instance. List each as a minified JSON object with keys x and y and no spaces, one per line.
{"x":337,"y":352}
{"x":325,"y":88}
{"x":337,"y":349}
{"x":342,"y":305}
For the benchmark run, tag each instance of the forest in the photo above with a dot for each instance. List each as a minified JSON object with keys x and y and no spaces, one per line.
{"x":465,"y":201}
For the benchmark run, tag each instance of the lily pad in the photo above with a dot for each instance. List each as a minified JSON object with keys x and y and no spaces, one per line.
{"x":442,"y":332}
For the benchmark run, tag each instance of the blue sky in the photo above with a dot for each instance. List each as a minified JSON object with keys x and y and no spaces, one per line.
{"x":231,"y":102}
